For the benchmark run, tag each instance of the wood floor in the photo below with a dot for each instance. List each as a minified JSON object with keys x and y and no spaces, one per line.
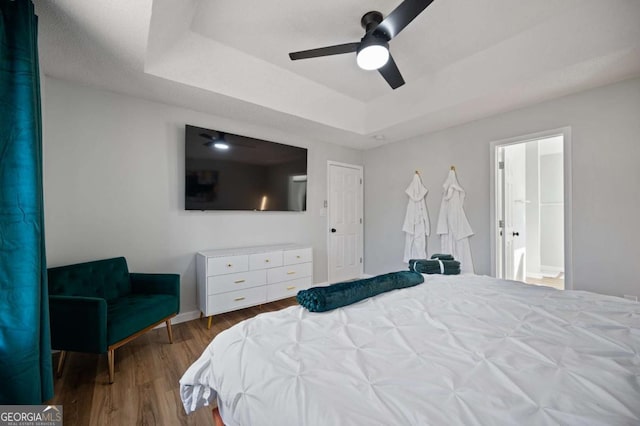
{"x":147,"y":371}
{"x":556,"y":282}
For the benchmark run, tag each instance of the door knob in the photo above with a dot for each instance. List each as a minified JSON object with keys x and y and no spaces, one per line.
{"x":333,"y":229}
{"x":515,"y":234}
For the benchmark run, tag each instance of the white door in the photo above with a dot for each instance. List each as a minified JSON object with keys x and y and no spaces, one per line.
{"x":344,"y":221}
{"x":514,"y":231}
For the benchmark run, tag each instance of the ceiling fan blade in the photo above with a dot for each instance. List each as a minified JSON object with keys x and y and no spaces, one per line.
{"x":401,"y":17}
{"x":325,"y":51}
{"x":391,"y":73}
{"x":210,"y":137}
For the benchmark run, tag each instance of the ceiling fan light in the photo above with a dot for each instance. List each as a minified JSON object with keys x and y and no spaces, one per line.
{"x":221,"y":145}
{"x":372,"y":57}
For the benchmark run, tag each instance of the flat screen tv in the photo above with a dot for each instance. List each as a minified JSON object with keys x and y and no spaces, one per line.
{"x":232,"y":172}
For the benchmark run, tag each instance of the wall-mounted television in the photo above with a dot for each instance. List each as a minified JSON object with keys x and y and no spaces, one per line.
{"x":224,"y":171}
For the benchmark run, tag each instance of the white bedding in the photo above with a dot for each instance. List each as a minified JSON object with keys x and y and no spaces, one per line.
{"x":453,"y":350}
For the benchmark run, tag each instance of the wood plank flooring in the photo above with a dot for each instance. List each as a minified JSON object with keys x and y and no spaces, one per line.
{"x":556,"y":282}
{"x":147,"y":371}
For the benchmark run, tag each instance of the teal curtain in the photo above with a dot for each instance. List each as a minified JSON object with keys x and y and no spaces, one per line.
{"x":25,"y":345}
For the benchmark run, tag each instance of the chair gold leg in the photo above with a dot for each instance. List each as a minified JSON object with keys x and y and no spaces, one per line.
{"x":110,"y":356}
{"x":169,"y":331}
{"x":201,"y":314}
{"x":61,"y":360}
{"x":209,"y":323}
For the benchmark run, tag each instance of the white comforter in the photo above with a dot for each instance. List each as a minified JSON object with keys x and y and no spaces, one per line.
{"x":453,"y":350}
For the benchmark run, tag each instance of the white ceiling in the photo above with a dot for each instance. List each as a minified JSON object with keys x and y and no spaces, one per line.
{"x":461,"y":59}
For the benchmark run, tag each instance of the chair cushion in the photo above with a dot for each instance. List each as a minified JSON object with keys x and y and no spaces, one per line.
{"x":107,"y":279}
{"x":129,"y":314}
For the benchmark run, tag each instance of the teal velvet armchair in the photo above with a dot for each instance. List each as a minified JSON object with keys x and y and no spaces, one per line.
{"x":99,"y":306}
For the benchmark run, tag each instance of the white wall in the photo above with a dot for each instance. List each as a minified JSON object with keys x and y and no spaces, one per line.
{"x":114,"y":186}
{"x":606,"y":175}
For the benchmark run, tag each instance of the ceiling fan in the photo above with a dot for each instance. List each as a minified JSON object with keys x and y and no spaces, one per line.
{"x":221,"y":141}
{"x":372,"y":51}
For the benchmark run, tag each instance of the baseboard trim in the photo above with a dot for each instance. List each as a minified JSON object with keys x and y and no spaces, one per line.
{"x":186,"y":316}
{"x":545,"y":269}
{"x":182,"y":317}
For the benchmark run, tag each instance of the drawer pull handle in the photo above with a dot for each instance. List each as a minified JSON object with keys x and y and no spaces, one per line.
{"x":229,"y":265}
{"x":237,"y":299}
{"x":298,"y":257}
{"x":291,"y":288}
{"x":239,"y":281}
{"x":291,"y":272}
{"x":266,"y":260}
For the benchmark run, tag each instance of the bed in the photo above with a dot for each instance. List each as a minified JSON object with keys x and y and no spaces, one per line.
{"x":453,"y":350}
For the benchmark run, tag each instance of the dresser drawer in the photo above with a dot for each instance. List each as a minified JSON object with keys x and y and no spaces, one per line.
{"x":265,"y":260}
{"x":238,"y":281}
{"x":292,"y":257}
{"x":230,"y":301}
{"x":287,"y":288}
{"x":227,"y":265}
{"x":289,"y":272}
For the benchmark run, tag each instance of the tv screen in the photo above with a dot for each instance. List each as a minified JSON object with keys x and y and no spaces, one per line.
{"x":232,"y":172}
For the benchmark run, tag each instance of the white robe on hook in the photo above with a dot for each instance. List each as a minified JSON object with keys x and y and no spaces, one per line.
{"x":453,"y":226}
{"x":416,"y":221}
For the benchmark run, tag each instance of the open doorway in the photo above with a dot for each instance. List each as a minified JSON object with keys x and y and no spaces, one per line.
{"x":530,"y":210}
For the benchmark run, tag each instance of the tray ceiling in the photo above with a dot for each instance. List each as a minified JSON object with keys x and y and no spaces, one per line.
{"x":461,"y":59}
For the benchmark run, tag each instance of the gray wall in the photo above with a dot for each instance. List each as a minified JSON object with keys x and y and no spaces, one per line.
{"x":114,"y":186}
{"x":605,"y":171}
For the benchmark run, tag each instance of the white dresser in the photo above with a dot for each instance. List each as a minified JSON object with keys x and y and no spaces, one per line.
{"x":230,"y":279}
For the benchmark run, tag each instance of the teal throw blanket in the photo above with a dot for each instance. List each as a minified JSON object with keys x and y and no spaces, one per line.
{"x":322,"y":299}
